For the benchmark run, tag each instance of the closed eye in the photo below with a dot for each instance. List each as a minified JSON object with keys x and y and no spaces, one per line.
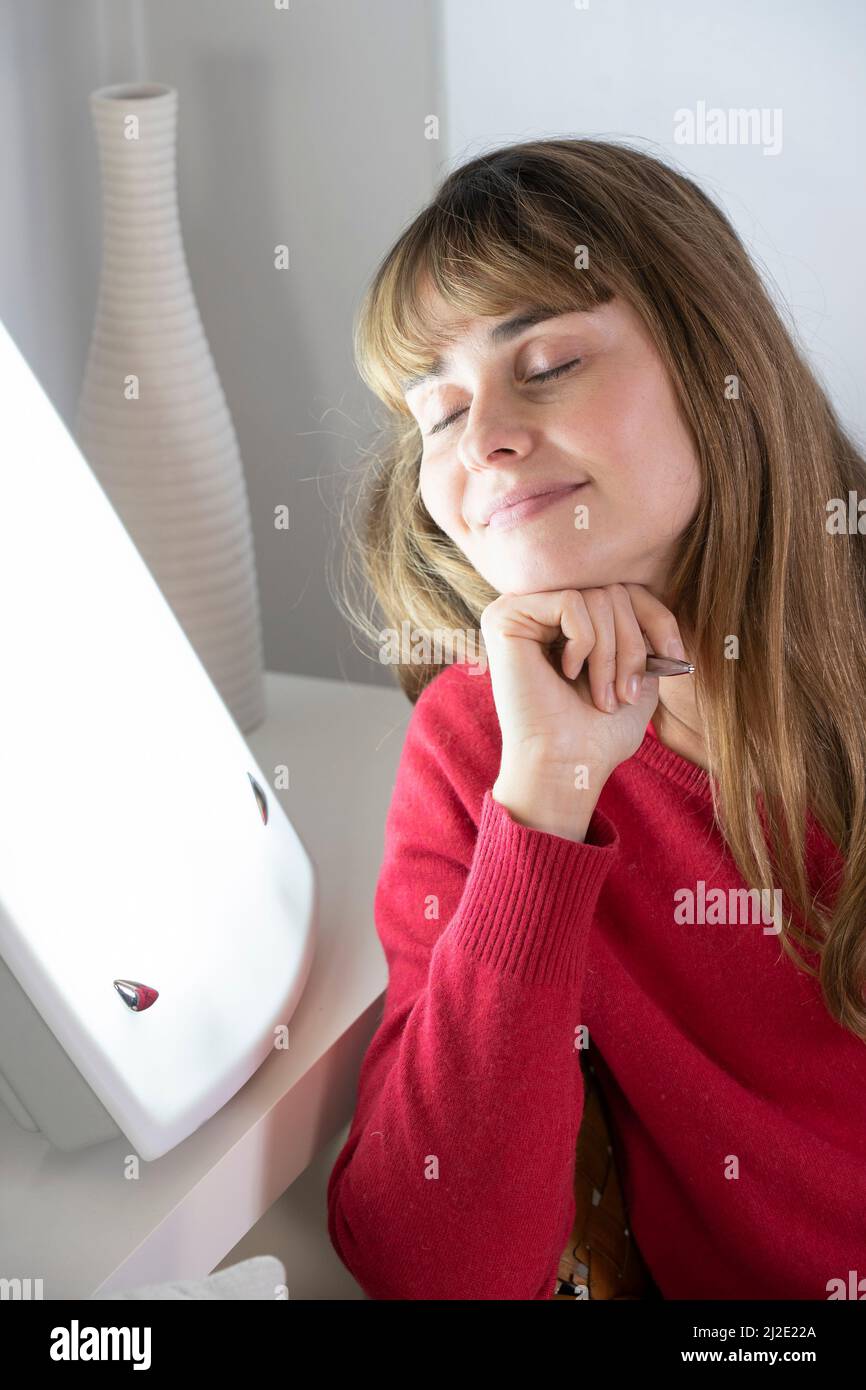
{"x":549,"y":375}
{"x":554,"y":371}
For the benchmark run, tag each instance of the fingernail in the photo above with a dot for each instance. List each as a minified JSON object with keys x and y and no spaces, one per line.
{"x":610,"y":698}
{"x":676,"y":649}
{"x":632,"y":688}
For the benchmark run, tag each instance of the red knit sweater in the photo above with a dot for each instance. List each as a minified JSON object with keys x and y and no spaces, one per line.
{"x":719,"y":1056}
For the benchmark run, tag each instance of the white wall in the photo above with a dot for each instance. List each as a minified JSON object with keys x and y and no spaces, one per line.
{"x":307,"y":127}
{"x":51,"y":56}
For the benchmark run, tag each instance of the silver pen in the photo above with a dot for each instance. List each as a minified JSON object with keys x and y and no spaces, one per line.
{"x":667,"y":666}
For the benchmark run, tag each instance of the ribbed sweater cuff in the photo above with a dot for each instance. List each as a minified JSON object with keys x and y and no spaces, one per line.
{"x":530,"y":896}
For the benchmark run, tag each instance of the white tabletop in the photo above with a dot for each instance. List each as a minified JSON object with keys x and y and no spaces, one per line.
{"x":76,"y":1220}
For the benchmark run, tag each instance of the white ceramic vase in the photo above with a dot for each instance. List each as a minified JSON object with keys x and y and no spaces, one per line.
{"x":152,"y":419}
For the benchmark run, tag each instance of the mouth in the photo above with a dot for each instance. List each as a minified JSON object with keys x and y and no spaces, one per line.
{"x":506,"y":517}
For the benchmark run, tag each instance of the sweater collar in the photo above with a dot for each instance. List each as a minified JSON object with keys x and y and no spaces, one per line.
{"x":687,"y":775}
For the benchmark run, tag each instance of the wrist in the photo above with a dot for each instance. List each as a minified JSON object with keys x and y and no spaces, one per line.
{"x":563,"y":783}
{"x":556,"y":802}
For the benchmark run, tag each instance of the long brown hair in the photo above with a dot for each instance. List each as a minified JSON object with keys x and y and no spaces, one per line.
{"x":784,"y":722}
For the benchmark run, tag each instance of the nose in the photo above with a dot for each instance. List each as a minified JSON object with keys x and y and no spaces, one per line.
{"x":494,"y":432}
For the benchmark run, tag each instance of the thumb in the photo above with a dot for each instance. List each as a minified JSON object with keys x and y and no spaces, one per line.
{"x":649,"y":694}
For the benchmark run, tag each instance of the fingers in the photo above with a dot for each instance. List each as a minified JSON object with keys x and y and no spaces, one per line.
{"x":631,"y":646}
{"x":604,"y":656}
{"x":579,"y":631}
{"x":616,"y":663}
{"x":611,"y":628}
{"x":658,"y":622}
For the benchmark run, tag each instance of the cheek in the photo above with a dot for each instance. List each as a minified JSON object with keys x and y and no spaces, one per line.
{"x":642,"y":436}
{"x":439,"y":493}
{"x":426,"y":488}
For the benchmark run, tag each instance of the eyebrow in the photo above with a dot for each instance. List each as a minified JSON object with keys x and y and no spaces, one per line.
{"x":500,"y":333}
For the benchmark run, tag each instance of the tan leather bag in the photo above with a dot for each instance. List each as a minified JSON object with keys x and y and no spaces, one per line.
{"x":601,"y":1259}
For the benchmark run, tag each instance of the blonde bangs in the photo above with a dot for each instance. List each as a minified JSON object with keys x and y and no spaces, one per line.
{"x":485,"y":262}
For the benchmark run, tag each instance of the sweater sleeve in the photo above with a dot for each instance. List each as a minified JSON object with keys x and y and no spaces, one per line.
{"x":456,"y":1179}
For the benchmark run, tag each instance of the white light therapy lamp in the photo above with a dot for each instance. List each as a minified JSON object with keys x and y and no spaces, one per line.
{"x":157,"y":908}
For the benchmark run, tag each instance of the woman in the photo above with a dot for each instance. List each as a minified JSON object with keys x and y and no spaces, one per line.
{"x":571,"y":841}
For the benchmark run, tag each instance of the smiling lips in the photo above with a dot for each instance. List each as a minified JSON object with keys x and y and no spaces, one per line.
{"x":511,"y":513}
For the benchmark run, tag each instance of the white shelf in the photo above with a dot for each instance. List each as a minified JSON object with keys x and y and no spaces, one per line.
{"x":75,"y":1220}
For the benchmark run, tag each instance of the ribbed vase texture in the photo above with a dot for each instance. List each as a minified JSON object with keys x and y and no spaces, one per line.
{"x":152,"y":419}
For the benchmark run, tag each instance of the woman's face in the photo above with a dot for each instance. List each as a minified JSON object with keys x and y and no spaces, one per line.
{"x":605,"y":432}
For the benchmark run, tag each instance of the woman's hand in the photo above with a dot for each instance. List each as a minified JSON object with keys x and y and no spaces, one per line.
{"x":563,"y":734}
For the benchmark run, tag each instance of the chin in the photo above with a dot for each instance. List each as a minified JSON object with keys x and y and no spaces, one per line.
{"x":535,"y":575}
